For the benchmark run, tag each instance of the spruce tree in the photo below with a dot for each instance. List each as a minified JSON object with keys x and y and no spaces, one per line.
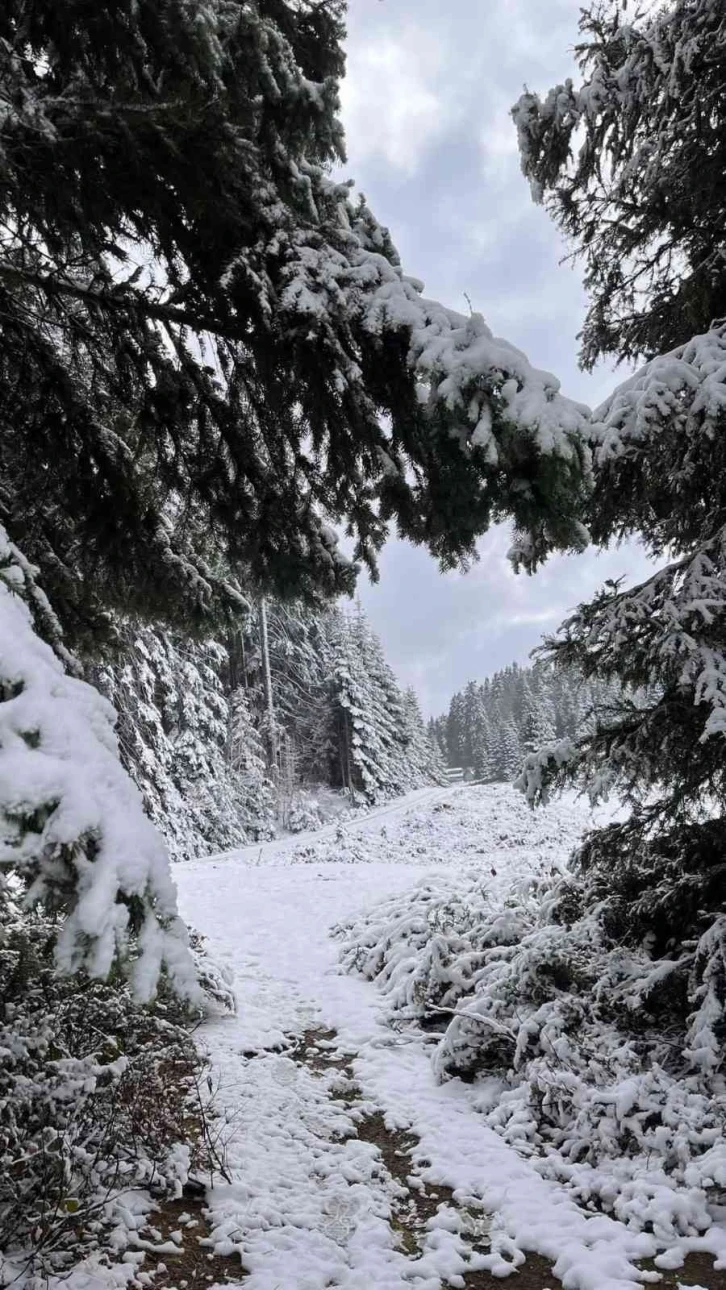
{"x":209,"y":348}
{"x":455,"y":731}
{"x":187,"y":741}
{"x":631,"y":165}
{"x":423,"y":760}
{"x":644,"y":202}
{"x":537,"y":728}
{"x":484,"y":748}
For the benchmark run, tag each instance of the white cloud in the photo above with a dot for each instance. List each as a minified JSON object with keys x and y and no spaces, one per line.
{"x":426,"y":109}
{"x":391,"y":108}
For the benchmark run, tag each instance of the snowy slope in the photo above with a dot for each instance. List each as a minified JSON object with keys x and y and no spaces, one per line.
{"x":313,"y":1202}
{"x":282,"y":850}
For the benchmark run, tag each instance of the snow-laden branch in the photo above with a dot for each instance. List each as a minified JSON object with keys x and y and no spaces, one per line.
{"x":459,"y":364}
{"x":684,"y":389}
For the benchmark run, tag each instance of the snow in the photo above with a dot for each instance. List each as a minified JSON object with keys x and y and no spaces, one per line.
{"x":71,"y":816}
{"x":309,"y":1204}
{"x":685,"y":386}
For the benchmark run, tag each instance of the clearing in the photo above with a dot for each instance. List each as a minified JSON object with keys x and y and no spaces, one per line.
{"x":349,"y":1166}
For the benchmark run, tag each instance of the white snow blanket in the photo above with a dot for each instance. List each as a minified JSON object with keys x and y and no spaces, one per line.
{"x":309,"y":1204}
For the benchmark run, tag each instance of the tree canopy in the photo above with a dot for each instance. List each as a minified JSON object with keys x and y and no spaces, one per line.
{"x":631,"y":165}
{"x":644,"y":203}
{"x":210,"y":350}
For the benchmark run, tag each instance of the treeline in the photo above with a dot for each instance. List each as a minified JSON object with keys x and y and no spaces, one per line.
{"x":222,"y":758}
{"x":491,"y":726}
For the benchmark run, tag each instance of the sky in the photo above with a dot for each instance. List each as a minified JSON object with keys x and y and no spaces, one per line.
{"x":426,"y":103}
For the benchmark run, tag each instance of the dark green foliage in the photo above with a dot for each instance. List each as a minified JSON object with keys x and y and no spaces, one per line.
{"x":208,"y":348}
{"x":631,"y":164}
{"x":644,"y":202}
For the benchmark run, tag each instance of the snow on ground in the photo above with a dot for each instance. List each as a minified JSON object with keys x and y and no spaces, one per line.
{"x":285,"y":849}
{"x":311,"y":1202}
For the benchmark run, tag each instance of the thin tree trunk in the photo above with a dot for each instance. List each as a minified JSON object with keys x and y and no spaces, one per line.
{"x":267,"y":682}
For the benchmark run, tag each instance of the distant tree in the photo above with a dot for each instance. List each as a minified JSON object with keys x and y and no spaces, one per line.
{"x":510,"y":751}
{"x":455,"y":731}
{"x":485,"y":751}
{"x":537,"y":727}
{"x":424,"y":762}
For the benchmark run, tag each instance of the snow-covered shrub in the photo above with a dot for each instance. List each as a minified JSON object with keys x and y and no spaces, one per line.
{"x":95,"y":1093}
{"x":304,"y":815}
{"x":603,"y":1062}
{"x":215,"y":980}
{"x":472,"y":823}
{"x":72,"y":828}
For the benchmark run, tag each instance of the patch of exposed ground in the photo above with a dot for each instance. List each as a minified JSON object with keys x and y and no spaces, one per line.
{"x":698,"y":1270}
{"x":183,"y":1263}
{"x":417,"y":1202}
{"x":318,"y":1050}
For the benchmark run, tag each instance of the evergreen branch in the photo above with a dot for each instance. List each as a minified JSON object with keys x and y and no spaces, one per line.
{"x":120,"y":300}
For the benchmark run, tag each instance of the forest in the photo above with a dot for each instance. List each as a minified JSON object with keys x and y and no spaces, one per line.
{"x":231,"y":998}
{"x":292,"y":713}
{"x":492,"y":726}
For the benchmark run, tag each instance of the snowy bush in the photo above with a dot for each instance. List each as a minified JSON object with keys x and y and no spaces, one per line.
{"x":604,"y":1063}
{"x":72,"y":827}
{"x":472,"y":826}
{"x":95,"y":1095}
{"x":305,"y":814}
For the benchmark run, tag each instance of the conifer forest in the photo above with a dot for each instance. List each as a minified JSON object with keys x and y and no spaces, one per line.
{"x":312,"y":976}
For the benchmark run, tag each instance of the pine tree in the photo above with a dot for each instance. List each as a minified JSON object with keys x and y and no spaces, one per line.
{"x":455,"y":731}
{"x":510,"y":751}
{"x":654,"y":134}
{"x":209,"y":350}
{"x":470,"y":718}
{"x":300,"y":644}
{"x":250,"y":782}
{"x":537,"y":727}
{"x":423,"y":761}
{"x":485,"y":759}
{"x":189,"y":745}
{"x":641,"y":193}
{"x":75,"y":838}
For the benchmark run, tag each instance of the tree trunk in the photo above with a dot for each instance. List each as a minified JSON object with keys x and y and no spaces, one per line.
{"x":267,"y":682}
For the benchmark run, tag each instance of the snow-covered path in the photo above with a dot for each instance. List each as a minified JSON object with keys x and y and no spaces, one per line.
{"x":311,"y":1204}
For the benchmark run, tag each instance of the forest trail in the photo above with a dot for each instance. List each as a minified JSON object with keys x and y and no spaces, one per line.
{"x":350,"y":1167}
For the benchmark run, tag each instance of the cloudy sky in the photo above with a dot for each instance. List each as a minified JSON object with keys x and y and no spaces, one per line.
{"x":430,"y":142}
